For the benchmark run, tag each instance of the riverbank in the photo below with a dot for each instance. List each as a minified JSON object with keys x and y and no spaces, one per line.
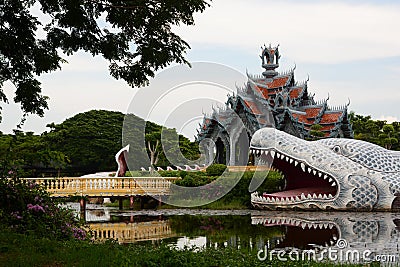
{"x":237,"y":198}
{"x":23,"y":250}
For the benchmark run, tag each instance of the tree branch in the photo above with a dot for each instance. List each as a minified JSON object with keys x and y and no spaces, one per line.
{"x":114,"y":6}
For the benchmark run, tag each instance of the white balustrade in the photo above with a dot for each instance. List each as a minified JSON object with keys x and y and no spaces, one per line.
{"x":117,"y":186}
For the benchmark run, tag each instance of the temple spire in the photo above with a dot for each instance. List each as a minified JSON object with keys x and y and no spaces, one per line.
{"x":270,"y":60}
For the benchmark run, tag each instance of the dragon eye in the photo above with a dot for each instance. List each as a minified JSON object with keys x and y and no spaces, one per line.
{"x":336,"y":149}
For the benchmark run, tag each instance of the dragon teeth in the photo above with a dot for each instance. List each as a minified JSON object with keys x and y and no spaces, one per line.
{"x":319,"y":174}
{"x":309,"y":170}
{"x":330,"y":196}
{"x":309,"y":196}
{"x":303,"y":167}
{"x":273,"y":154}
{"x":303,"y":197}
{"x":333,"y":184}
{"x":330,"y":180}
{"x":296,"y":163}
{"x":291,"y":161}
{"x":325,"y":177}
{"x":314,"y":172}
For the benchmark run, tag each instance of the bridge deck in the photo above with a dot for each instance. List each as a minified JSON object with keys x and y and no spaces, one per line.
{"x":105,"y":187}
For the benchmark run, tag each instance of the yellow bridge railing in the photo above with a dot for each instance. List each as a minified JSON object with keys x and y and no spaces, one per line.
{"x":105,"y":187}
{"x":132,"y":232}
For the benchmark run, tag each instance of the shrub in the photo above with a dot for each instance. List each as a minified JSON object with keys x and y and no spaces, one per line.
{"x":272,"y":183}
{"x":27,"y":208}
{"x":195,"y":179}
{"x":240,"y":192}
{"x":215,"y":169}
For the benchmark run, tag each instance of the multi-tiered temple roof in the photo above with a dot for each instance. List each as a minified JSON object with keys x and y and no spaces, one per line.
{"x":277,"y":100}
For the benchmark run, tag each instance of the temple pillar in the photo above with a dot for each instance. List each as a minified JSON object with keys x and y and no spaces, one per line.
{"x":232,"y":157}
{"x":210,"y":153}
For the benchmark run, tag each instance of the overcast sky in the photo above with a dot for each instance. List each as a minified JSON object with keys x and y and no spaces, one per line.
{"x":350,"y":49}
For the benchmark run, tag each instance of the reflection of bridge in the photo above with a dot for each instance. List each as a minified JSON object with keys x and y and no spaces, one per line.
{"x":106,"y":187}
{"x":132,"y":232}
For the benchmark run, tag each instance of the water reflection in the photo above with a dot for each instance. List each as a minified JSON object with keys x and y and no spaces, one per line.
{"x":253,"y":230}
{"x":375,"y":232}
{"x":133,"y":231}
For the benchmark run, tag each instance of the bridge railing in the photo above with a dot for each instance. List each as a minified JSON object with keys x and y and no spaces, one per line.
{"x":132,"y":232}
{"x":107,"y":186}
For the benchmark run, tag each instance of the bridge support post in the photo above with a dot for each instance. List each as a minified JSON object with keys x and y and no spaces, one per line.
{"x":82,"y":204}
{"x":159,"y":201}
{"x":131,"y":202}
{"x":120,"y":203}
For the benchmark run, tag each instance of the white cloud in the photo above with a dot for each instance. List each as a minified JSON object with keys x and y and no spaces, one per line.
{"x":388,"y":119}
{"x":323,"y":32}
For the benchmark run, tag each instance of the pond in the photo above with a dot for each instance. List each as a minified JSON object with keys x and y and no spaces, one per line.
{"x":371,"y":233}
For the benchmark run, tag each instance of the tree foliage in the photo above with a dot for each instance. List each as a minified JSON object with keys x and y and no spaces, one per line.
{"x":25,"y":153}
{"x":376,"y":131}
{"x":316,"y":132}
{"x":135,"y":36}
{"x":87,"y":143}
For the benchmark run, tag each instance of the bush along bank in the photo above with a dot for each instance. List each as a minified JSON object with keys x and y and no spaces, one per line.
{"x":29,"y":209}
{"x":239,"y":196}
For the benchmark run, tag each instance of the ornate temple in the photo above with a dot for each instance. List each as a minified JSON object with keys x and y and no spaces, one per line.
{"x":272,"y":99}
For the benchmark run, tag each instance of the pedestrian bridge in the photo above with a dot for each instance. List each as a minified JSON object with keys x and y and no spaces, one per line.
{"x":105,"y":187}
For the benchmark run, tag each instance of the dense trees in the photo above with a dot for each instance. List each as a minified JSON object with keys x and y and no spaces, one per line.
{"x":135,"y":36}
{"x":87,"y":143}
{"x":376,"y":131}
{"x":30,"y":151}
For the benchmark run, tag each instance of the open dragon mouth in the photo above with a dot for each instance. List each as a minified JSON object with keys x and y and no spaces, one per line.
{"x":302,"y":234}
{"x":303,"y":183}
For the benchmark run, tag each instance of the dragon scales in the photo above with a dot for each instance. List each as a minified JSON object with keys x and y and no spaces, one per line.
{"x":328,"y":174}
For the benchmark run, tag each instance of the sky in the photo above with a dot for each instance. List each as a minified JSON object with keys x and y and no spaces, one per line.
{"x":349,"y":49}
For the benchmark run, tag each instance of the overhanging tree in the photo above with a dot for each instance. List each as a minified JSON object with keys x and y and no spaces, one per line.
{"x":135,"y":36}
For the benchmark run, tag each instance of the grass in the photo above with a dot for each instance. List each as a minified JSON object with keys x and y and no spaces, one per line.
{"x":23,"y":250}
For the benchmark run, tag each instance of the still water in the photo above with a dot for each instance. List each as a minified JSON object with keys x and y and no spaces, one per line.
{"x":378,"y":233}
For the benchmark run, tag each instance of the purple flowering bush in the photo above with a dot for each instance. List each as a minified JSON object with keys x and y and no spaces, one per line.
{"x":29,"y":209}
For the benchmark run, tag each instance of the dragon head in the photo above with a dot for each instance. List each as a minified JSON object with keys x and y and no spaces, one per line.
{"x":325,"y":174}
